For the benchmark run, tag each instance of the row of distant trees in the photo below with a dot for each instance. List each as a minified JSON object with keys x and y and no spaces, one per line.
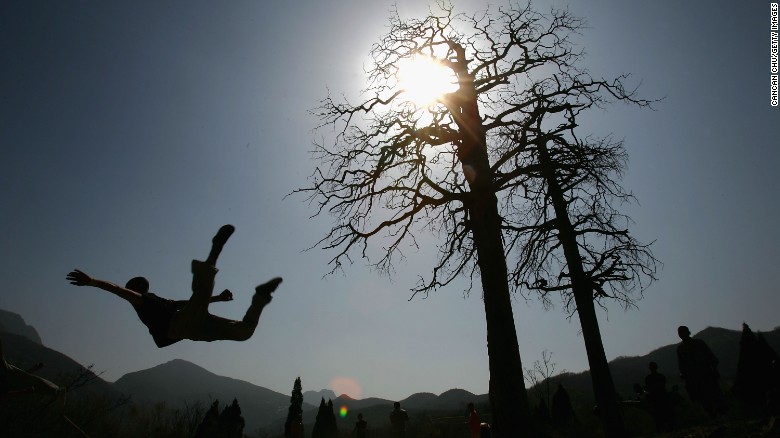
{"x":325,"y":425}
{"x":757,"y":383}
{"x":755,"y":393}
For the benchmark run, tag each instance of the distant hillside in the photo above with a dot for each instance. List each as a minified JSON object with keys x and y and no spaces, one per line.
{"x":13,"y":323}
{"x":626,"y":371}
{"x":376,"y":411}
{"x":178,"y":383}
{"x":22,"y":348}
{"x":313,"y":397}
{"x":58,"y":368}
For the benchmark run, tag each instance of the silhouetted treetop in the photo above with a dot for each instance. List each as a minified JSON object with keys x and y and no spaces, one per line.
{"x":394,"y":168}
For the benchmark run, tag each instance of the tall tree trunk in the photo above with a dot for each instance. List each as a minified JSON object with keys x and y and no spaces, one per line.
{"x":603,"y":386}
{"x":508,"y":399}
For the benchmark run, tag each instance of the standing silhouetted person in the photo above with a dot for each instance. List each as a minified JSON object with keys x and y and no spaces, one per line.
{"x":474,"y":423}
{"x":398,"y":419}
{"x":170,"y":321}
{"x":699,"y":370}
{"x":361,"y":427}
{"x":658,"y":399}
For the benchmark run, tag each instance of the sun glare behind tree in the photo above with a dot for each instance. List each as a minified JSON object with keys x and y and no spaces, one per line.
{"x":425,"y":80}
{"x":497,"y":165}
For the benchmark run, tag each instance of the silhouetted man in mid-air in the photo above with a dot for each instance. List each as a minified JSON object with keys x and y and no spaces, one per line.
{"x":699,"y":370}
{"x":170,"y":321}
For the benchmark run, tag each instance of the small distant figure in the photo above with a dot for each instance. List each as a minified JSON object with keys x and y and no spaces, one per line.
{"x":361,"y":427}
{"x":15,"y":382}
{"x":658,"y":399}
{"x":640,"y":395}
{"x":171,"y":321}
{"x":398,"y":420}
{"x":699,"y":369}
{"x":474,"y":423}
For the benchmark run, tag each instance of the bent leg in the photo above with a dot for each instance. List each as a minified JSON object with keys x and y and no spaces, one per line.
{"x":261,"y":299}
{"x":215,"y":328}
{"x":218,"y":242}
{"x":191,"y":317}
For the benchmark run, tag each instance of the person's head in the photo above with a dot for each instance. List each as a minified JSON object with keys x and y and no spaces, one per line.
{"x":683,"y":332}
{"x":138,"y":284}
{"x":471,"y":407}
{"x":360,"y":416}
{"x":653,"y":367}
{"x":397,"y":405}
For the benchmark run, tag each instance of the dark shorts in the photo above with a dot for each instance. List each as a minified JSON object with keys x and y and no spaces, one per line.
{"x":156,"y":314}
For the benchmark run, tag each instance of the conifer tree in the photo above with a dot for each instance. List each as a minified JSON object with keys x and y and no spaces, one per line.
{"x":754,"y":368}
{"x":295,"y":410}
{"x":332,"y":428}
{"x":562,"y":411}
{"x":209,"y":427}
{"x":325,"y":424}
{"x":231,"y":423}
{"x":317,"y":431}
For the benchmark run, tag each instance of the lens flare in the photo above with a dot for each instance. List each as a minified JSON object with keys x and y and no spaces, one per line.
{"x":346,"y":386}
{"x":343,"y":411}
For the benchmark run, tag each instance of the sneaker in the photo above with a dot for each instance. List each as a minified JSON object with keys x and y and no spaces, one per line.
{"x":223,"y":235}
{"x":269,"y":286}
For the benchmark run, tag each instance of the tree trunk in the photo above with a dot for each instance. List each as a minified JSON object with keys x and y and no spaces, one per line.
{"x":603,"y":386}
{"x":508,"y":399}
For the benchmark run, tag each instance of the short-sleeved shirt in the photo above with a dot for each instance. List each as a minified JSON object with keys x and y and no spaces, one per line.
{"x":156,"y":314}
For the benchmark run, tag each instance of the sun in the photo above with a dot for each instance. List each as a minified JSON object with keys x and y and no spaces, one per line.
{"x":425,"y":80}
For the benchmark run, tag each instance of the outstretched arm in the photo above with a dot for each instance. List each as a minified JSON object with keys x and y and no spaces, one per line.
{"x":79,"y":278}
{"x":225,"y":295}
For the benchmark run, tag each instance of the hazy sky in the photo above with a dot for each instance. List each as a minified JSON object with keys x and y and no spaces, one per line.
{"x":130,"y":131}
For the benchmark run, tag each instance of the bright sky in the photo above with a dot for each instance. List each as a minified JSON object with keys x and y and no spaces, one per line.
{"x":130,"y":131}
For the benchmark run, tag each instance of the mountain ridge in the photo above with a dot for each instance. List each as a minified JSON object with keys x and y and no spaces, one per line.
{"x":179,"y":382}
{"x":13,"y":323}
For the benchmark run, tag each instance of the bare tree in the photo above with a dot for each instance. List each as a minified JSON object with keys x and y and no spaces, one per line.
{"x":542,"y":373}
{"x":495,"y":170}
